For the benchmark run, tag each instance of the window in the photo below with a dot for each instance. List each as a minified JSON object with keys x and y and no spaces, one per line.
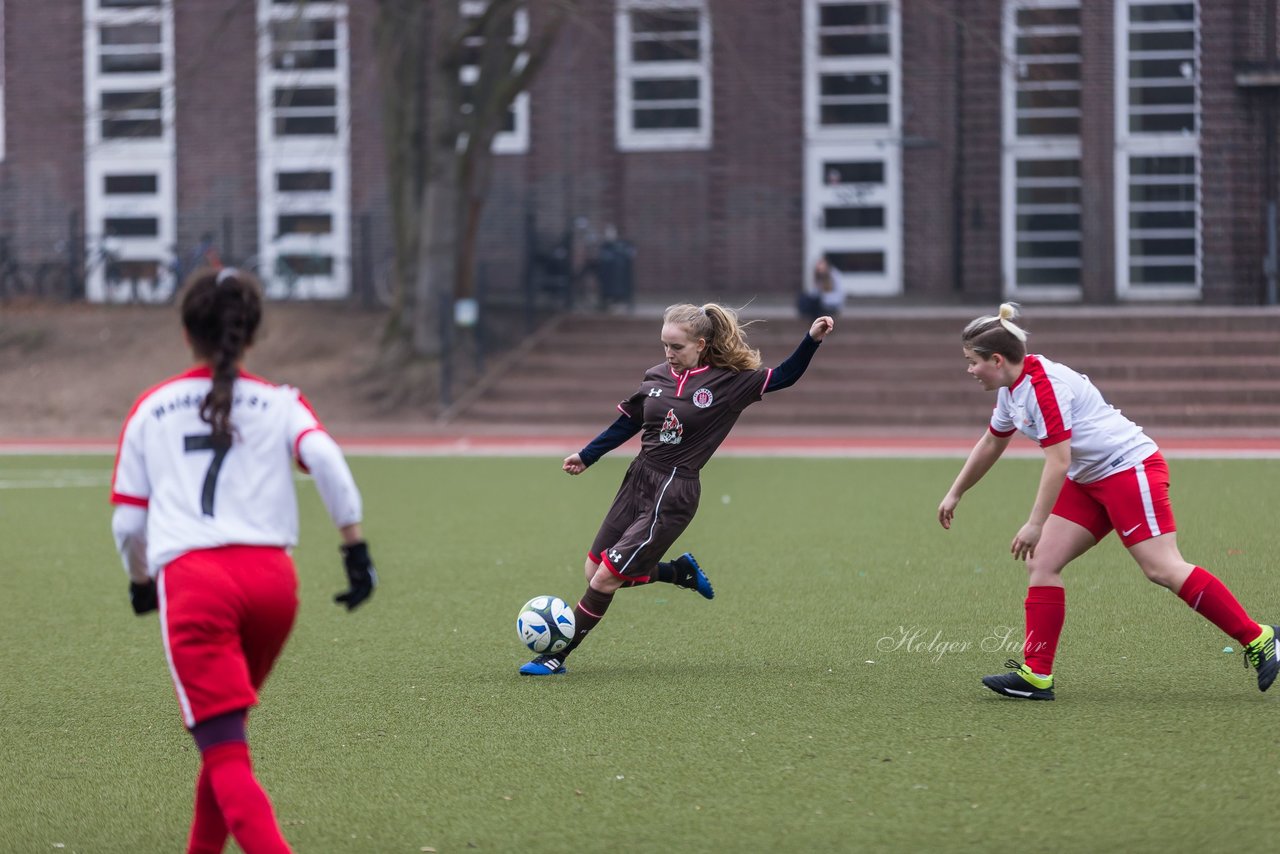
{"x":1158,"y":149}
{"x":311,"y":111}
{"x":2,"y":76}
{"x":134,"y":226}
{"x":299,"y":43}
{"x":1161,"y":68}
{"x":664,"y":74}
{"x":853,"y":156}
{"x":130,"y":204}
{"x":1163,"y":204}
{"x":1047,"y":228}
{"x":304,"y":182}
{"x":513,"y":136}
{"x":1041,"y":213}
{"x":1047,"y":85}
{"x":304,"y":224}
{"x":855,"y":65}
{"x":130,"y":49}
{"x":130,"y":185}
{"x":132,"y":115}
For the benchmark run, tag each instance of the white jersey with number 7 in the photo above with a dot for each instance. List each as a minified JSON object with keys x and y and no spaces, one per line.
{"x":197,"y":497}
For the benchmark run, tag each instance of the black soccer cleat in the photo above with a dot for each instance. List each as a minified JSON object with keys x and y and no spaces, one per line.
{"x":1021,"y":683}
{"x":1264,"y":656}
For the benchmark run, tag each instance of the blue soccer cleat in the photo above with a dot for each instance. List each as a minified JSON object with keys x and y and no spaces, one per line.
{"x":543,"y":665}
{"x":692,"y":576}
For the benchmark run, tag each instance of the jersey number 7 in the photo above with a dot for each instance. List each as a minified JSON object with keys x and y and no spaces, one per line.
{"x":205,"y":443}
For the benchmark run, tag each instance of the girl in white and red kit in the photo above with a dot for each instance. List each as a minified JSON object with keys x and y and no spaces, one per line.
{"x":205,"y":516}
{"x":1101,"y":472}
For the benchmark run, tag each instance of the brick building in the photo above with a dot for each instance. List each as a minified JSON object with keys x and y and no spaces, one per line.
{"x":934,"y":150}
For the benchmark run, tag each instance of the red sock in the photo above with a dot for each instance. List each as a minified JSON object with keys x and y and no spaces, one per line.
{"x":1046,"y":609}
{"x":244,"y":805}
{"x":208,"y":830}
{"x":1210,"y":598}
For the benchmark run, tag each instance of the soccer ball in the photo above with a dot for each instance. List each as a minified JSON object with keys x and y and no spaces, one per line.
{"x":545,"y":624}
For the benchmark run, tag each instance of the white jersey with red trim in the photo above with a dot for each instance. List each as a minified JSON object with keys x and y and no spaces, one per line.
{"x":197,"y":497}
{"x":1050,"y":403}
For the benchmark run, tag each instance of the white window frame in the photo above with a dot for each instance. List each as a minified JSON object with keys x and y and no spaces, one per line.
{"x":882,"y":143}
{"x":515,"y":141}
{"x":144,"y":155}
{"x":817,"y":65}
{"x":1170,"y":144}
{"x":304,"y":153}
{"x":630,"y":138}
{"x":1017,"y":148}
{"x":2,"y":77}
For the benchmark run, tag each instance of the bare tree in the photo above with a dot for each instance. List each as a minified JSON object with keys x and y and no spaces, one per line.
{"x":439,"y":141}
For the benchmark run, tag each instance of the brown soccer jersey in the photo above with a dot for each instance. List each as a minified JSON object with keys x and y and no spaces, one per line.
{"x":686,"y":416}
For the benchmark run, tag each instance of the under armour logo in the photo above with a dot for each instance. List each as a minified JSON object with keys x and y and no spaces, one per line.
{"x":615,"y":555}
{"x":655,"y":392}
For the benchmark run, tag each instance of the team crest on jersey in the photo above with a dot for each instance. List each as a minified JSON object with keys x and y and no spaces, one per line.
{"x":672,"y":430}
{"x":702,"y":398}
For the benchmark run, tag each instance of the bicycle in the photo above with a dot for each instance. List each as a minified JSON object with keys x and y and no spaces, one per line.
{"x":288,"y":274}
{"x":15,"y":282}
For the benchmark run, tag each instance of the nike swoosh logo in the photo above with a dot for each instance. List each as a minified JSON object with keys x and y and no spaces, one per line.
{"x":1131,"y":530}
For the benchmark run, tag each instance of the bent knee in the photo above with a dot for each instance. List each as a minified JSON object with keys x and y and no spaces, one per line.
{"x":1167,"y":574}
{"x":1038,"y":567}
{"x":604,"y":580}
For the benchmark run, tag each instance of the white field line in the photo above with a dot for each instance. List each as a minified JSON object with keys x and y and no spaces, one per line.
{"x":55,"y":479}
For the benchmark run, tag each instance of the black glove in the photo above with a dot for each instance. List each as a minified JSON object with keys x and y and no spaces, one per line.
{"x":143,"y":596}
{"x":360,"y":574}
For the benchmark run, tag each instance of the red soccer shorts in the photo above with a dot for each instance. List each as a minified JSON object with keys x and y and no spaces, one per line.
{"x":224,"y":615}
{"x":1135,"y":502}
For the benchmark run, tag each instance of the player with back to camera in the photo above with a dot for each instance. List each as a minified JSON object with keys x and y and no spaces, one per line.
{"x":686,"y":406}
{"x":1101,"y":472}
{"x":206,"y":512}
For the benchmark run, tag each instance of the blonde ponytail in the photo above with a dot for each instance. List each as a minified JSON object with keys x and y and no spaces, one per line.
{"x":997,"y":334}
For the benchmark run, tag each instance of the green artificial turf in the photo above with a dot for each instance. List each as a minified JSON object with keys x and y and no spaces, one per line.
{"x":826,"y":700}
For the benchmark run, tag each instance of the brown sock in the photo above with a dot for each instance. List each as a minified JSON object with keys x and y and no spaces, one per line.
{"x":589,"y":611}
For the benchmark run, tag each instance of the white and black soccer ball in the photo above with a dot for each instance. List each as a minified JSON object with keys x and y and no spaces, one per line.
{"x":545,"y":624}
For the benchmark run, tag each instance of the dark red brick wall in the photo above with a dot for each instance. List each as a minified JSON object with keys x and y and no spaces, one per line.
{"x":931,"y":200}
{"x":1232,"y":163}
{"x":215,"y":78}
{"x":979,"y":135}
{"x":1097,"y":152}
{"x":42,"y":175}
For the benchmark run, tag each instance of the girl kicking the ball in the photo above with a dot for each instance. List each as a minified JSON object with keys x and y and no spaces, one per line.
{"x":686,"y":406}
{"x":1101,"y":472}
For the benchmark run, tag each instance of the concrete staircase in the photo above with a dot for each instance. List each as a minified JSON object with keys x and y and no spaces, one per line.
{"x":1201,"y":370}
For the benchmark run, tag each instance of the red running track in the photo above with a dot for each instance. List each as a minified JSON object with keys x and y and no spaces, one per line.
{"x":562,"y":444}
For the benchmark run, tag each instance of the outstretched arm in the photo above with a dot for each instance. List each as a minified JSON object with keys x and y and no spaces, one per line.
{"x":786,"y":374}
{"x":981,"y":459}
{"x":611,"y":437}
